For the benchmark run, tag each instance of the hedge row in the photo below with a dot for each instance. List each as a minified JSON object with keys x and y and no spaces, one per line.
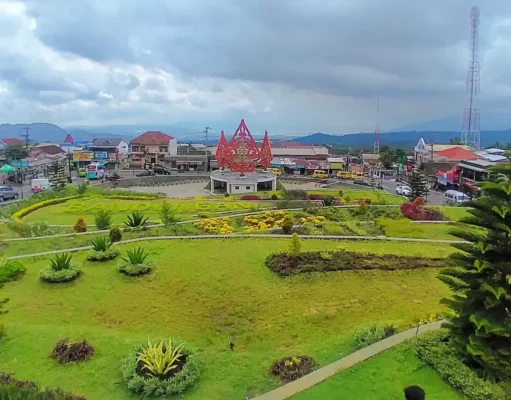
{"x":15,"y":389}
{"x":284,"y":264}
{"x":437,"y":350}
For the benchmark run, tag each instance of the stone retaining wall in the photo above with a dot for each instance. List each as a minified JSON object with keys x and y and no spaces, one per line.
{"x":157,"y":180}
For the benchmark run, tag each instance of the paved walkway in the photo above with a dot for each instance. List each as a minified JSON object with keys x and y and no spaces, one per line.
{"x":290,"y":389}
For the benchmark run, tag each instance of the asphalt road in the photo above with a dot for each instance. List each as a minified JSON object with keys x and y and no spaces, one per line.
{"x":433,"y":198}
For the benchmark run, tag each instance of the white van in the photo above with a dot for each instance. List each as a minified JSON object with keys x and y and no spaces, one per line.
{"x":455,"y":197}
{"x":40,"y":184}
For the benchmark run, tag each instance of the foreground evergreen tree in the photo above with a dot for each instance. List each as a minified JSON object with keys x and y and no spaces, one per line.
{"x":418,"y":184}
{"x":480,"y":321}
{"x":57,"y":175}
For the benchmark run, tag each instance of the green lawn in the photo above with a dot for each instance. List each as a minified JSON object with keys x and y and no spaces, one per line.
{"x":403,"y":227}
{"x":204,"y":291}
{"x":454,"y":213}
{"x":383,"y":378}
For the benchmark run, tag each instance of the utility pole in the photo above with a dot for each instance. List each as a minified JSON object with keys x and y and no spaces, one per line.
{"x":431,"y":139}
{"x":26,"y":135}
{"x":206,"y":131}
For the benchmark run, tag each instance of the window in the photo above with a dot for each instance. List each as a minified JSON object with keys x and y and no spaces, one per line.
{"x":247,"y":187}
{"x":163,"y":149}
{"x":236,"y":187}
{"x":135,"y":148}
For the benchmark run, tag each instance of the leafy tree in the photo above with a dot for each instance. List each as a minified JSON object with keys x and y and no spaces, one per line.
{"x":418,"y":185}
{"x":14,"y":152}
{"x":480,"y":322}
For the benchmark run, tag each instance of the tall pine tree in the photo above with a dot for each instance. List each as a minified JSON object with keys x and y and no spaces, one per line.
{"x":57,"y":175}
{"x":418,"y":185}
{"x":480,"y":279}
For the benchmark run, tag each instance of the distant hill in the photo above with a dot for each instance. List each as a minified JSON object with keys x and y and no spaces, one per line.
{"x":405,"y":140}
{"x":38,"y":132}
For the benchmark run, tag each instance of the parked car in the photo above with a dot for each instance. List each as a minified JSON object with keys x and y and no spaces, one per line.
{"x":145,"y":173}
{"x":82,"y":172}
{"x":38,"y":184}
{"x":7,"y":193}
{"x":361,"y":182}
{"x":453,"y":197}
{"x":403,"y":190}
{"x":158,"y":169}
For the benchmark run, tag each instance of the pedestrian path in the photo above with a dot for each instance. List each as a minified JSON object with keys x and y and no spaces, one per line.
{"x":290,"y":389}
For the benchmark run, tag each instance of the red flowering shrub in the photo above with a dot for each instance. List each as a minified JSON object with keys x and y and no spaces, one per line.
{"x":419,"y":202}
{"x":250,"y":197}
{"x":417,"y":212}
{"x":315,"y":197}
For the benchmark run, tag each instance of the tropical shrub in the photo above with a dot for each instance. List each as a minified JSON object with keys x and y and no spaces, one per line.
{"x":33,"y":229}
{"x":417,"y":212}
{"x":103,"y":219}
{"x":480,"y":280}
{"x":227,"y":195}
{"x":291,"y":368}
{"x":439,"y":350}
{"x":167,"y":215}
{"x":81,"y":189}
{"x":61,"y":269}
{"x":15,"y":389}
{"x":80,"y":225}
{"x":283,"y":264}
{"x":295,"y":246}
{"x":250,"y":197}
{"x":101,"y":250}
{"x":135,"y":263}
{"x":136,"y":220}
{"x":372,"y":334}
{"x":160,"y":369}
{"x":67,"y":352}
{"x":115,"y":235}
{"x":287,"y":225}
{"x":10,"y":269}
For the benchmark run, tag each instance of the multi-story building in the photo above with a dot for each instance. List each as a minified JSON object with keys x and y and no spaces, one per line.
{"x":151,"y":148}
{"x":111,"y":151}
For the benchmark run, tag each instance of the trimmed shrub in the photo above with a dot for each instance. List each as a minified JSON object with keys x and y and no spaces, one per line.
{"x":227,"y":195}
{"x":439,"y":351}
{"x":289,"y":369}
{"x":67,"y":352}
{"x":33,"y":229}
{"x":135,"y":263}
{"x":174,"y":382}
{"x":372,"y":334}
{"x":287,"y":225}
{"x":250,"y":197}
{"x":80,"y":225}
{"x":33,"y":207}
{"x":295,"y":194}
{"x":61,"y":269}
{"x":107,"y":255}
{"x":295,"y":247}
{"x":115,"y":235}
{"x":15,"y":389}
{"x":274,"y":197}
{"x":103,"y":220}
{"x":11,"y":270}
{"x":315,"y":261}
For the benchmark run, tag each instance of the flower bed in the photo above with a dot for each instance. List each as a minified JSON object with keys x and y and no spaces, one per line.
{"x":416,"y":211}
{"x":284,"y":264}
{"x":264,"y":221}
{"x":250,"y":197}
{"x":289,"y":369}
{"x":66,"y":351}
{"x":215,"y":225}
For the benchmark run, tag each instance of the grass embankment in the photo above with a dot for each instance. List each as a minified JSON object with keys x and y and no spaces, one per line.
{"x":381,"y":378}
{"x":203,"y":292}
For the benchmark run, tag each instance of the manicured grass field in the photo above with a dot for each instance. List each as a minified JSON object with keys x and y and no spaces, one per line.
{"x":454,"y":213}
{"x":404,"y":227}
{"x":383,"y":378}
{"x":203,"y":292}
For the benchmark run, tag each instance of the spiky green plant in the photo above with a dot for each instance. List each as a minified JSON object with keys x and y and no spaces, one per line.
{"x":167,"y":215}
{"x":480,"y":320}
{"x":103,"y":219}
{"x":159,"y":359}
{"x":61,"y":262}
{"x":136,"y":220}
{"x":136,"y":256}
{"x":100,"y":243}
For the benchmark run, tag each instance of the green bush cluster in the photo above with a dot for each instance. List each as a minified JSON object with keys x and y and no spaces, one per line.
{"x":295,"y":194}
{"x":438,"y":350}
{"x":115,"y":235}
{"x":283,"y":264}
{"x":135,"y":263}
{"x":10,"y":270}
{"x":15,"y":389}
{"x":103,"y":219}
{"x":102,"y":250}
{"x":61,"y":269}
{"x":372,"y":334}
{"x":34,"y":229}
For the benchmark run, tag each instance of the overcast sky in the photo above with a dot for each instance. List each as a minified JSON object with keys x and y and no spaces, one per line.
{"x":286,"y":65}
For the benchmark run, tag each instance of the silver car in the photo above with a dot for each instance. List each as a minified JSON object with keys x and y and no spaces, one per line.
{"x":7,"y":193}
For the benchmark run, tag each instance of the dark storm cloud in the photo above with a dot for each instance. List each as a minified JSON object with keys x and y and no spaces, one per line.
{"x":397,"y":47}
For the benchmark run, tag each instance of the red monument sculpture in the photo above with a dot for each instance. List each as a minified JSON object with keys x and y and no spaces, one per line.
{"x":242,"y":154}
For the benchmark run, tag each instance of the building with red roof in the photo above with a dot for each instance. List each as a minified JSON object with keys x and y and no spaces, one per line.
{"x":11,"y":142}
{"x":151,"y":148}
{"x":457,"y":153}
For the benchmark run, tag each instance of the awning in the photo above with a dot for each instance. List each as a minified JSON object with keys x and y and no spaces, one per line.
{"x":6,"y":168}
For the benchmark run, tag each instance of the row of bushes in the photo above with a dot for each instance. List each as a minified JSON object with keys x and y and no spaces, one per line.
{"x":439,"y":351}
{"x":15,"y":389}
{"x":286,"y":264}
{"x":33,"y":207}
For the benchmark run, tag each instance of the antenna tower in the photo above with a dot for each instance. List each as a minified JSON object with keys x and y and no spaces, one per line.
{"x":26,"y":136}
{"x":471,"y":134}
{"x":376,"y":145}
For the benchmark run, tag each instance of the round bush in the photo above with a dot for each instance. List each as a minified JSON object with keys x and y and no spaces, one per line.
{"x":291,"y":368}
{"x":110,"y":254}
{"x":135,"y":270}
{"x":67,"y":352}
{"x":49,"y":275}
{"x":11,"y":270}
{"x":151,"y":386}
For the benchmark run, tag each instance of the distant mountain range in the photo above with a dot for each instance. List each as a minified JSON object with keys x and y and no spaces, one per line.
{"x":45,"y":132}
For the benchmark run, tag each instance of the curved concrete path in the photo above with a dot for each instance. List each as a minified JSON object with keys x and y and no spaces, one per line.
{"x":319,"y":375}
